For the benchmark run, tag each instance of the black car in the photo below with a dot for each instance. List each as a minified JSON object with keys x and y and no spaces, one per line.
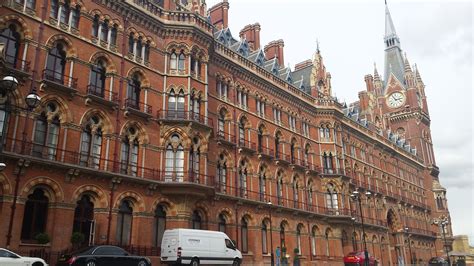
{"x":102,"y":256}
{"x":438,"y":261}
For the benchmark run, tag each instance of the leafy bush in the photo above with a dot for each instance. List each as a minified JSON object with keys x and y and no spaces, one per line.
{"x":77,"y":238}
{"x":42,"y":238}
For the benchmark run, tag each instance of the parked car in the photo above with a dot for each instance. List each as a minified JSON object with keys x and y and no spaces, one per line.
{"x":8,"y":258}
{"x":438,"y":261}
{"x":357,"y":258}
{"x":195,"y":247}
{"x":102,"y":256}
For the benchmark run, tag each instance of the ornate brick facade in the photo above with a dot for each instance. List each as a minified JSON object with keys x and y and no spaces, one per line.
{"x":151,"y":117}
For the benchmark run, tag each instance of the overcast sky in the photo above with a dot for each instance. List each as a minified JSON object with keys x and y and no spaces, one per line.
{"x":436,"y":35}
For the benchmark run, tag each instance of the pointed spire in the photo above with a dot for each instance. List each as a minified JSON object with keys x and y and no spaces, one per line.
{"x":417,"y":75}
{"x":389,"y":27}
{"x":376,"y":73}
{"x":407,"y":64}
{"x":317,"y":45}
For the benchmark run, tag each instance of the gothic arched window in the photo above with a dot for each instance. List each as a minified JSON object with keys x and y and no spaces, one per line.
{"x":222,"y":173}
{"x":264,"y":238}
{"x":124,"y":223}
{"x":174,"y":160}
{"x":280,"y":188}
{"x":243,"y":179}
{"x":11,"y":40}
{"x":35,"y":215}
{"x":222,"y":223}
{"x":181,"y":60}
{"x":160,"y":225}
{"x":295,"y":193}
{"x":261,"y":183}
{"x":133,"y":92}
{"x":55,"y":64}
{"x":331,"y":197}
{"x":129,"y":156}
{"x":46,"y":133}
{"x":91,"y":143}
{"x":196,"y":220}
{"x":173,"y":61}
{"x":83,"y":217}
{"x":65,"y":11}
{"x":97,"y":79}
{"x":194,"y":160}
{"x":244,"y":235}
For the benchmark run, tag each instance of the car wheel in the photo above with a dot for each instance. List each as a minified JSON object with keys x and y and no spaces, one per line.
{"x":91,"y":263}
{"x":37,"y":264}
{"x":236,"y":262}
{"x":142,"y":263}
{"x":195,"y":262}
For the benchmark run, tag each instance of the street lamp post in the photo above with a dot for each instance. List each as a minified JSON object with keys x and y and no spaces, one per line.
{"x":272,"y":259}
{"x":409,"y":245}
{"x":356,"y":197}
{"x":443,"y":222}
{"x":353,"y":233}
{"x":32,"y":101}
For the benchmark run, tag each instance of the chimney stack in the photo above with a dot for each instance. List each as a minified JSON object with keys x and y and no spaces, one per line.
{"x":369,"y":82}
{"x":252,"y":34}
{"x":275,"y":49}
{"x":219,"y":14}
{"x":305,"y":63}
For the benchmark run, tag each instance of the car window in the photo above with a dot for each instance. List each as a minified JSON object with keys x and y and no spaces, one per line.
{"x":229,"y":244}
{"x":109,"y":251}
{"x":7,"y":254}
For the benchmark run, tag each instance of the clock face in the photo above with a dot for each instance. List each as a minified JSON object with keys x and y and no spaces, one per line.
{"x":396,"y":99}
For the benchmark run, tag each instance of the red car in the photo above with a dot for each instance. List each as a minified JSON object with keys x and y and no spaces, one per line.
{"x":357,"y":258}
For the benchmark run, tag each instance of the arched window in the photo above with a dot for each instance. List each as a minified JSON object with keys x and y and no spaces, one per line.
{"x":331,"y":198}
{"x":139,"y":46}
{"x":243,"y":179}
{"x":260,"y":139}
{"x":84,"y":217}
{"x":55,"y":64}
{"x":113,"y":35}
{"x":313,"y":241}
{"x":244,"y":235}
{"x":298,"y":238}
{"x":280,"y":188}
{"x":65,"y":11}
{"x":282,"y":235}
{"x":54,"y":9}
{"x":11,"y":40}
{"x":326,"y":236}
{"x":176,"y":104}
{"x":181,"y":60}
{"x":4,"y":115}
{"x":76,"y":15}
{"x":277,"y":146}
{"x":131,"y":43}
{"x":35,"y":215}
{"x":295,"y":193}
{"x":104,"y":34}
{"x":124,"y":223}
{"x":194,"y":160}
{"x":196,"y":106}
{"x":133,"y":92}
{"x":30,"y":4}
{"x":222,"y":223}
{"x":261,"y":181}
{"x":310,"y":197}
{"x":328,"y":163}
{"x":264,"y":238}
{"x":222,"y":173}
{"x":97,"y":79}
{"x":174,"y":166}
{"x":46,"y":136}
{"x":292,"y":152}
{"x":129,"y":157}
{"x":197,"y":220}
{"x":95,"y":26}
{"x":160,"y":225}
{"x":242,"y":123}
{"x":91,"y":143}
{"x":146,"y":55}
{"x":173,"y":61}
{"x":221,"y":124}
{"x":306,"y":155}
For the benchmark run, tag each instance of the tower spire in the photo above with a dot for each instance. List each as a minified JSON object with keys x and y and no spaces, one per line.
{"x":394,"y":62}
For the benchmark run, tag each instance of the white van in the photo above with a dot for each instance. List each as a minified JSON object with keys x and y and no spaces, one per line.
{"x":194,"y":247}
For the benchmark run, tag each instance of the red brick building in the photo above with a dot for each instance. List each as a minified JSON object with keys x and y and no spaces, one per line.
{"x":153,"y":116}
